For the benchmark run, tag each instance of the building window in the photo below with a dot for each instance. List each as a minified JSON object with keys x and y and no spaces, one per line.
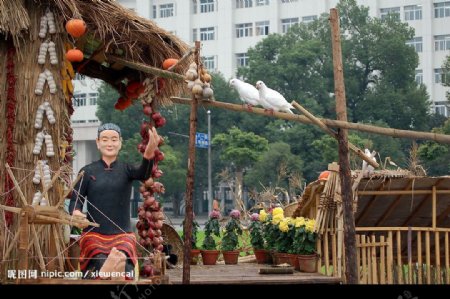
{"x":262,"y":2}
{"x":93,"y":120}
{"x":194,"y":6}
{"x":309,"y":19}
{"x":78,"y":121}
{"x":93,"y":96}
{"x":416,"y":43}
{"x":154,"y":12}
{"x":209,"y":62}
{"x":442,"y":10}
{"x":207,"y":33}
{"x":262,"y":28}
{"x":206,"y":6}
{"x":241,"y":59}
{"x":288,"y":23}
{"x":441,"y":42}
{"x":392,"y":11}
{"x":413,"y":12}
{"x":79,"y":100}
{"x":244,"y":30}
{"x":244,"y":3}
{"x":419,"y":77}
{"x":288,"y":1}
{"x":438,"y":76}
{"x":194,"y":34}
{"x":441,"y":109}
{"x":166,"y":10}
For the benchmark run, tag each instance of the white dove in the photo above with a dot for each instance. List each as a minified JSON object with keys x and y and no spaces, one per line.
{"x":366,"y":168}
{"x":247,"y":92}
{"x":271,"y":99}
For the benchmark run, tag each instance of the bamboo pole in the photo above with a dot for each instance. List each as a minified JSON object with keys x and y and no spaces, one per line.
{"x":24,"y":234}
{"x":146,"y":68}
{"x":374,"y":262}
{"x":419,"y":257}
{"x":427,"y":256}
{"x":344,"y":161}
{"x":58,"y":248}
{"x":190,"y":181}
{"x":358,"y":257}
{"x":433,"y":206}
{"x":403,"y":192}
{"x":38,"y":247}
{"x":364,"y":260}
{"x":333,"y":134}
{"x":437,"y":253}
{"x":392,"y":132}
{"x":399,"y":258}
{"x":183,"y":58}
{"x":334,"y":253}
{"x":409,"y":248}
{"x":390,"y":258}
{"x":447,"y":259}
{"x":387,"y":228}
{"x":327,"y":258}
{"x":382,"y":261}
{"x":16,"y":184}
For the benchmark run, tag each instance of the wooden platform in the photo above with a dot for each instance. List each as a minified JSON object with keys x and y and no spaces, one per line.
{"x":156,"y":280}
{"x":245,"y":273}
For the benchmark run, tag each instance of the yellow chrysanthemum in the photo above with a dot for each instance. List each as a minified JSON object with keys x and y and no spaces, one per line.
{"x":310,"y":225}
{"x":299,"y":221}
{"x":277,"y":218}
{"x":283,"y":226}
{"x":290,"y":220}
{"x":262,"y":215}
{"x":278,"y":211}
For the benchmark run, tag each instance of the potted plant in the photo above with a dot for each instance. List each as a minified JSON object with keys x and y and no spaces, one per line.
{"x":257,"y":240}
{"x":304,"y":245}
{"x":195,"y":251}
{"x":209,"y":250}
{"x":230,"y":240}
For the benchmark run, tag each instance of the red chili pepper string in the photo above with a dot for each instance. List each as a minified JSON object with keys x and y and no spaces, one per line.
{"x":10,"y":120}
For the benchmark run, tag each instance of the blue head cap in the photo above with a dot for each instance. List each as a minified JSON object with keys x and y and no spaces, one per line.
{"x":108,"y":126}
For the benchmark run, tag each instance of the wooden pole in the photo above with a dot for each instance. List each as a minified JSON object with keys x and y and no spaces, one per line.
{"x":190,"y":182}
{"x":396,"y":133}
{"x":333,"y":134}
{"x":351,"y":272}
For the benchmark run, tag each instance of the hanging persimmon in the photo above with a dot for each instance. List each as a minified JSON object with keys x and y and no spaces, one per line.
{"x":74,"y":55}
{"x":76,"y":27}
{"x":169,"y":62}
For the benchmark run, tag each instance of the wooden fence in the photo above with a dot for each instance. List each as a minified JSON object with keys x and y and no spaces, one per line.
{"x":391,"y":255}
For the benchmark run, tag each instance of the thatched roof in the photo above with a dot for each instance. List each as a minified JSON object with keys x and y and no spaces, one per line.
{"x":392,"y":201}
{"x":114,"y":34}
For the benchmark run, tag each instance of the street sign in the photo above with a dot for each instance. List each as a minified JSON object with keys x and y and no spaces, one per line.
{"x":201,"y":140}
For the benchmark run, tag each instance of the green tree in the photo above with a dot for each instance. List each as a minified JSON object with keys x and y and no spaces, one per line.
{"x":275,"y":167}
{"x":446,"y":74}
{"x":379,"y":68}
{"x":241,"y":150}
{"x":436,"y":156}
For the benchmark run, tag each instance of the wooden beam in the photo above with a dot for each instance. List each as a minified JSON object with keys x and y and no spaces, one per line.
{"x":397,"y":133}
{"x":403,"y":192}
{"x":190,"y":181}
{"x":399,"y":228}
{"x":351,"y":268}
{"x":146,"y":68}
{"x":333,"y":134}
{"x":16,"y":185}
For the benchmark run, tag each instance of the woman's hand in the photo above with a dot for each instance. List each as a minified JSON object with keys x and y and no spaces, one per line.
{"x":152,"y":144}
{"x":78,"y":214}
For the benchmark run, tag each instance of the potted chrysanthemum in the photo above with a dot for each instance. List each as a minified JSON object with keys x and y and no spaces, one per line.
{"x":304,"y":245}
{"x":195,"y":251}
{"x":257,"y":240}
{"x":209,"y":250}
{"x":230,"y":240}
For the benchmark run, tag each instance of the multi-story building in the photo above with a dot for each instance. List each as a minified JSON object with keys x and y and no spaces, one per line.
{"x":227,"y":28}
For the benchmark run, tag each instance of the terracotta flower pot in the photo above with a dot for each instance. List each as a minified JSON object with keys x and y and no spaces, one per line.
{"x":281,"y":258}
{"x":307,"y":263}
{"x":293,"y":260}
{"x":194,"y":256}
{"x":209,"y":257}
{"x":262,"y":256}
{"x":231,"y":257}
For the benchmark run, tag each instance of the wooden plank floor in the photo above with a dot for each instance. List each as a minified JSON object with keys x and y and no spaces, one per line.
{"x":245,"y":273}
